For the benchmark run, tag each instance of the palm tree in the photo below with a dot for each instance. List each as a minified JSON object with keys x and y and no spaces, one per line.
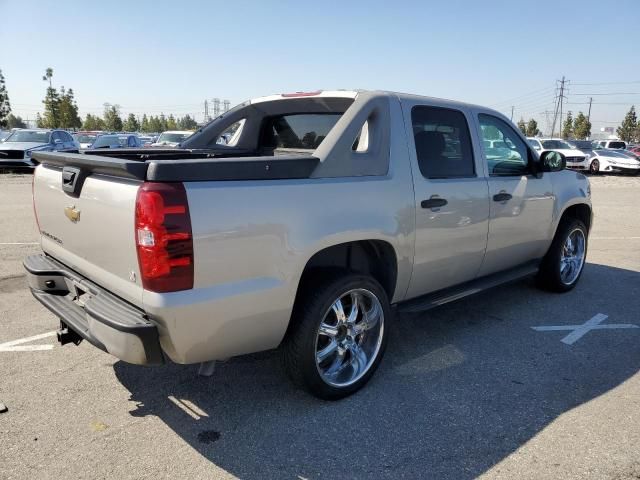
{"x":47,"y":76}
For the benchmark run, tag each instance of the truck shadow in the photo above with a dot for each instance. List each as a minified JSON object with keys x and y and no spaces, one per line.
{"x":455,"y":395}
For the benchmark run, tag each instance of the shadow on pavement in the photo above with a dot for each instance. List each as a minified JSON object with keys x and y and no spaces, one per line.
{"x":461,"y":387}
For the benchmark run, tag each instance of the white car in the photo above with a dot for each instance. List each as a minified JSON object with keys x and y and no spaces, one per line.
{"x":614,"y":161}
{"x":614,"y":144}
{"x":576,"y":159}
{"x":172,"y":138}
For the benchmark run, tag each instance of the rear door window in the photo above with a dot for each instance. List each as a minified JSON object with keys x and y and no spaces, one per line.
{"x":442,"y":142}
{"x":303,"y":131}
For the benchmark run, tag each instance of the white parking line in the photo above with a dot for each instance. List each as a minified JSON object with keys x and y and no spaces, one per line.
{"x":614,"y":238}
{"x":19,"y":243}
{"x":578,"y":331}
{"x":16,"y":345}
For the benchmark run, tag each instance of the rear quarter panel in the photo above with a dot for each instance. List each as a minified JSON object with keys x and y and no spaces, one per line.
{"x":252,"y":241}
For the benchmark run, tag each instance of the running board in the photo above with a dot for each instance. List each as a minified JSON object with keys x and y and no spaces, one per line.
{"x":435,"y":299}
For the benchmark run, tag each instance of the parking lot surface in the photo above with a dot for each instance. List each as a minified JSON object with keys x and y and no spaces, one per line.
{"x":467,"y":390}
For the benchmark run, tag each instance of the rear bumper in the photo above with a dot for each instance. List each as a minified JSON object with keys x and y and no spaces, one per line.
{"x":101,"y":318}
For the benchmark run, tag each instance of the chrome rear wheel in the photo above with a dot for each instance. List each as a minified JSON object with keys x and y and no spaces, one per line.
{"x":349,"y":337}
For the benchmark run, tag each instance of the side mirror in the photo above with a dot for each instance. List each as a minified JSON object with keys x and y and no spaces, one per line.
{"x":552,"y":161}
{"x":57,"y":141}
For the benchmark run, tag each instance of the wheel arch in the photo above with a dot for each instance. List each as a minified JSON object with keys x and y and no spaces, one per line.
{"x":579,"y":211}
{"x":373,"y":257}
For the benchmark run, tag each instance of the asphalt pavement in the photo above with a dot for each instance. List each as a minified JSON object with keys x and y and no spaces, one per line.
{"x":466,"y":390}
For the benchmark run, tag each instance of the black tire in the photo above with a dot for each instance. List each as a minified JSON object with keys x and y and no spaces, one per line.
{"x":298,"y":350}
{"x":549,"y":277}
{"x":594,"y":167}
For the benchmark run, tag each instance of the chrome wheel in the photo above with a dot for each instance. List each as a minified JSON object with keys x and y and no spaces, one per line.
{"x":572,"y":256}
{"x":349,"y":337}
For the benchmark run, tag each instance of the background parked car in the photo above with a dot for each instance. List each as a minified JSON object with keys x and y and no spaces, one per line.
{"x":146,"y":140}
{"x":116,"y":141}
{"x":172,"y":138}
{"x":17,"y":148}
{"x":615,"y":144}
{"x":613,"y":161}
{"x":85,"y":139}
{"x":575,"y":158}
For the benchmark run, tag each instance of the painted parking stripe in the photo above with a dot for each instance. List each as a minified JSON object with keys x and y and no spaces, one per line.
{"x":16,"y":345}
{"x":578,"y":331}
{"x":19,"y":243}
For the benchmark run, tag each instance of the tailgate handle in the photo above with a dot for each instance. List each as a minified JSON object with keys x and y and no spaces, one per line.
{"x":72,"y":180}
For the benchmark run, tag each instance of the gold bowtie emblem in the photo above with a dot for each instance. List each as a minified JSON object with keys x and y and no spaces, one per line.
{"x":72,"y":214}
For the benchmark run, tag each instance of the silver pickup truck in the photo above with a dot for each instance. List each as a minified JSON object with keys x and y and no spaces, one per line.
{"x":300,"y":229}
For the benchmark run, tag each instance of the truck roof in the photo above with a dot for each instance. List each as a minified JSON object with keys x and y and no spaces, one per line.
{"x":354,"y":93}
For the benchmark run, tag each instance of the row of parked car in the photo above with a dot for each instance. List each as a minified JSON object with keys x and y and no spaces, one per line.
{"x":608,"y":156}
{"x":17,"y":145}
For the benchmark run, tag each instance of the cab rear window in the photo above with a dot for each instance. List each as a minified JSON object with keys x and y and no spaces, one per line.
{"x":304,"y":131}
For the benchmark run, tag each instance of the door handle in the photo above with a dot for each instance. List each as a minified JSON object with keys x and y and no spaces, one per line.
{"x":502,"y":197}
{"x":433,"y":203}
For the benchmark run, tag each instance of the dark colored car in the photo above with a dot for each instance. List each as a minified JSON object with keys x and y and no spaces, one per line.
{"x":116,"y":141}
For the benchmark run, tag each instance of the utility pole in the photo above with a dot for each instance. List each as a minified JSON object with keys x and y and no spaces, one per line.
{"x":206,"y":111}
{"x":589,"y":114}
{"x":558,"y":108}
{"x":561,"y":102}
{"x":512,"y":107}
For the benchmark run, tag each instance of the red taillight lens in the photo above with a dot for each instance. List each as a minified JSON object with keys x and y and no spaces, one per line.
{"x":163,"y":237}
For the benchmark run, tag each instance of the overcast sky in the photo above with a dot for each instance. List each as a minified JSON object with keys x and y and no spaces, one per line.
{"x":170,"y":56}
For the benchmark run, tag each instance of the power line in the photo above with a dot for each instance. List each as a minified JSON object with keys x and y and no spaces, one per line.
{"x":608,"y":83}
{"x":609,"y":93}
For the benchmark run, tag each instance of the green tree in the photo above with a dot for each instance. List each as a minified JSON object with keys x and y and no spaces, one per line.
{"x":171,"y":123}
{"x":163,"y":122}
{"x":15,"y":122}
{"x":5,"y":106}
{"x":532,"y":128}
{"x":628,"y":130}
{"x":144,"y":124}
{"x":68,"y":110}
{"x":567,"y":127}
{"x":112,"y":120}
{"x":51,"y":117}
{"x":155,"y":124}
{"x":187,"y":123}
{"x":39,"y":121}
{"x":522,"y":126}
{"x":92,"y":122}
{"x":131,"y":124}
{"x":581,"y":127}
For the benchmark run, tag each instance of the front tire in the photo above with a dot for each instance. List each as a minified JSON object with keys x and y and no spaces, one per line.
{"x":563,"y":264}
{"x":594,"y":167}
{"x":338,"y":335}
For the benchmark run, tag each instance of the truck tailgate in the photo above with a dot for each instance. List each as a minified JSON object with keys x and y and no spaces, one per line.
{"x":93,"y":232}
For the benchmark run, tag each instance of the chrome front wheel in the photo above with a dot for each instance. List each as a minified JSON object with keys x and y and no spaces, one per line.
{"x":572,"y":256}
{"x":349,"y":337}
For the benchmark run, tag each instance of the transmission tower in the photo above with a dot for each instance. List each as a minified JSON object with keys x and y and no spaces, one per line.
{"x":216,"y":107}
{"x":559,"y":102}
{"x":226,"y":104}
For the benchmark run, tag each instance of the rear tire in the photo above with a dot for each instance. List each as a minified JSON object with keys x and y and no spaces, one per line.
{"x":331,"y":349}
{"x":563,"y":264}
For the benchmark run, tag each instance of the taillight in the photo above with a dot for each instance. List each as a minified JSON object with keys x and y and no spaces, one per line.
{"x":163,"y":237}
